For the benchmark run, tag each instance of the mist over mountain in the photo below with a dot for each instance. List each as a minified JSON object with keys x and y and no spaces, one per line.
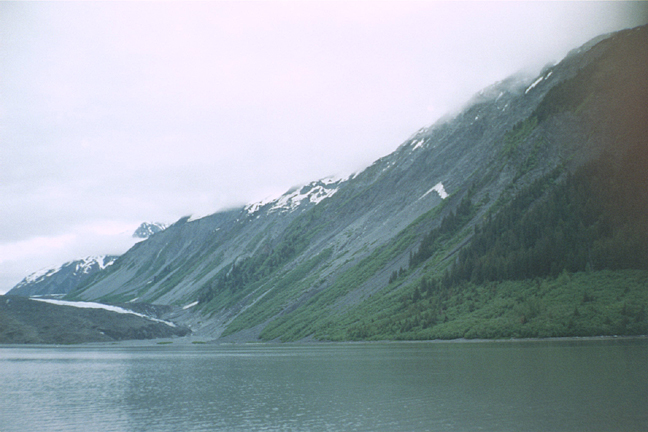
{"x":60,"y":280}
{"x":521,"y":216}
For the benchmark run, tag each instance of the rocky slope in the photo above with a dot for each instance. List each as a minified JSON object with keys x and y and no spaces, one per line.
{"x":312,"y":262}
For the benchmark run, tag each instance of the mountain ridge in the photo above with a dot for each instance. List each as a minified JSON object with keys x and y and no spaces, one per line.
{"x":63,"y":279}
{"x":312,"y":263}
{"x":147,"y":229}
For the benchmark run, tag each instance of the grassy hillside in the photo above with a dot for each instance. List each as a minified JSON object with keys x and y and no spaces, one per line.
{"x":573,"y":304}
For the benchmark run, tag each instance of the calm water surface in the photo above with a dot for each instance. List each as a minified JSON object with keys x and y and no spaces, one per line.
{"x":586,"y":385}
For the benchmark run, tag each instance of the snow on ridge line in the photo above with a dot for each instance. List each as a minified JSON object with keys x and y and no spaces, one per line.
{"x":317,"y":191}
{"x":84,"y":264}
{"x":538,"y":81}
{"x":87,"y":263}
{"x":40,"y":274}
{"x":292,"y":201}
{"x":92,"y":305}
{"x":102,"y":261}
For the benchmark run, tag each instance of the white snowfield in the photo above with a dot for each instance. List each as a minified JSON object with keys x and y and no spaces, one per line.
{"x":536,"y":82}
{"x":91,"y":305}
{"x":418,"y":144}
{"x":88,"y":262}
{"x":40,"y":274}
{"x":438,"y":188}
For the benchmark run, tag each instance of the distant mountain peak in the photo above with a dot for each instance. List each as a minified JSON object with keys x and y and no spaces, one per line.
{"x":62,"y":279}
{"x":147,"y":229}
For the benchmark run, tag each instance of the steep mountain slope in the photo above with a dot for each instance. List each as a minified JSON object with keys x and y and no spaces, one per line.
{"x":170,"y":267}
{"x":63,"y":279}
{"x":380,"y":254}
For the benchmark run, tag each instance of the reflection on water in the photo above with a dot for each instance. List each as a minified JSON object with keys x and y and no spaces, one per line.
{"x":535,"y":385}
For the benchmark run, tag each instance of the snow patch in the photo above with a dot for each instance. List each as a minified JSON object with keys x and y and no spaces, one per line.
{"x":253,"y":208}
{"x":418,"y":144}
{"x":535,"y":83}
{"x":85,"y":265}
{"x":417,"y":133}
{"x":40,"y":274}
{"x":294,"y":200}
{"x":438,"y":188}
{"x":314,"y":193}
{"x":194,"y":218}
{"x":190,"y":305}
{"x":91,"y":305}
{"x":388,"y":166}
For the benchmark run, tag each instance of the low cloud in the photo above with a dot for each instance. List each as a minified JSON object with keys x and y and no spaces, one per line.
{"x":23,"y":257}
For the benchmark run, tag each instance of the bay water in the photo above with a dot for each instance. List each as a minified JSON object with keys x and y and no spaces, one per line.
{"x":542,"y":385}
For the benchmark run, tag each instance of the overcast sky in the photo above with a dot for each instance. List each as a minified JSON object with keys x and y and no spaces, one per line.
{"x":116,"y":113}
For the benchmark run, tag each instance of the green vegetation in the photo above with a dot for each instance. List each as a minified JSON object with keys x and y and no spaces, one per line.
{"x":568,"y":256}
{"x":569,"y":95}
{"x":595,"y":219}
{"x":531,"y":161}
{"x":518,"y":134}
{"x":314,"y":315}
{"x":245,"y":275}
{"x":281,"y":290}
{"x":579,"y":304}
{"x":449,"y":227}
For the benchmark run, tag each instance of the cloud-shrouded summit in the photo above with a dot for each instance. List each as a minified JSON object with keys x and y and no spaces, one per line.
{"x":116,"y":113}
